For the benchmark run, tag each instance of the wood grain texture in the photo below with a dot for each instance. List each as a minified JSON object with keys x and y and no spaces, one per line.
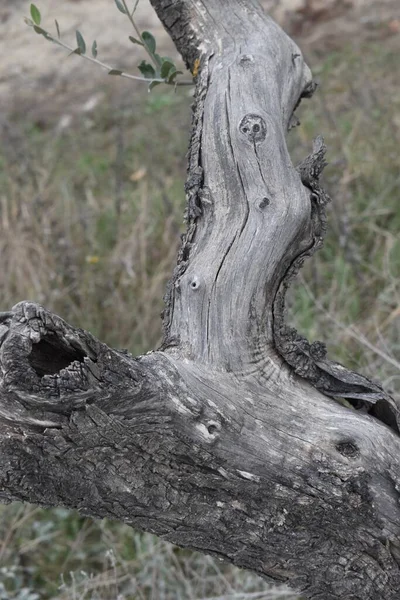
{"x":226,"y":440}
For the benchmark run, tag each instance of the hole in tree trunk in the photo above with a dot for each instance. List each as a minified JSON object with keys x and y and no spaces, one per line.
{"x":49,"y":356}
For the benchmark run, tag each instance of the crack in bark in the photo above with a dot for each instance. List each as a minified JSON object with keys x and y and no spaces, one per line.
{"x":193,"y":189}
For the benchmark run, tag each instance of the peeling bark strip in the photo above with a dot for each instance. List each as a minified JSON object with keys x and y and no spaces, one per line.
{"x":223,"y":441}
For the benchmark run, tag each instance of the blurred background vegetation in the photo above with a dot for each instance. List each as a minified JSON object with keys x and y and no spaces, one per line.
{"x":90,"y":218}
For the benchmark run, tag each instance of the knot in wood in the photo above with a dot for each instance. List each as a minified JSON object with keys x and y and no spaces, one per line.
{"x":213,"y":427}
{"x":348,"y":449}
{"x":209,"y":431}
{"x":264,"y":202}
{"x":245,"y":59}
{"x":253,"y":127}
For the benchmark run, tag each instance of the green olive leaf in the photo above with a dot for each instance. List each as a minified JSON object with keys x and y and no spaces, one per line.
{"x":120,"y":7}
{"x":81,"y":42}
{"x":166,"y":67}
{"x":135,"y":41}
{"x":153,"y":84}
{"x":149,"y":40}
{"x":147,"y":70}
{"x":35,"y":14}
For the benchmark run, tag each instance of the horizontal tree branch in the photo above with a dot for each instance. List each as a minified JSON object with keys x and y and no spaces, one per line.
{"x":205,"y":459}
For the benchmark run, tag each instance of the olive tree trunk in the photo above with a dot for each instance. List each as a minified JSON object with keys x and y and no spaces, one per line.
{"x":228,"y":439}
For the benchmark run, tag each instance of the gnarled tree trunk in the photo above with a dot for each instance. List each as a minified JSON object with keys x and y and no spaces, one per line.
{"x":226,"y":440}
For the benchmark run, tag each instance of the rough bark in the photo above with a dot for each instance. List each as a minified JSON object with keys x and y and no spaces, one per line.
{"x":226,"y":440}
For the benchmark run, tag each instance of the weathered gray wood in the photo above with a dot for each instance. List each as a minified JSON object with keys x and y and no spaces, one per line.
{"x":222,"y":440}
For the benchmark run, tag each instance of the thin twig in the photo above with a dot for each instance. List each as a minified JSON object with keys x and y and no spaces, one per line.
{"x":130,"y":17}
{"x":109,"y":68}
{"x":101,"y":64}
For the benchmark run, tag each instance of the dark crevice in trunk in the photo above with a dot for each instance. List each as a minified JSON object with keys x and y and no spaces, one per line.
{"x":49,"y":356}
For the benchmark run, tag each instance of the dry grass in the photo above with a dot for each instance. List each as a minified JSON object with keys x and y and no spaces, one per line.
{"x":350,"y":295}
{"x":78,"y":559}
{"x":89,"y":225}
{"x":90,"y":220}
